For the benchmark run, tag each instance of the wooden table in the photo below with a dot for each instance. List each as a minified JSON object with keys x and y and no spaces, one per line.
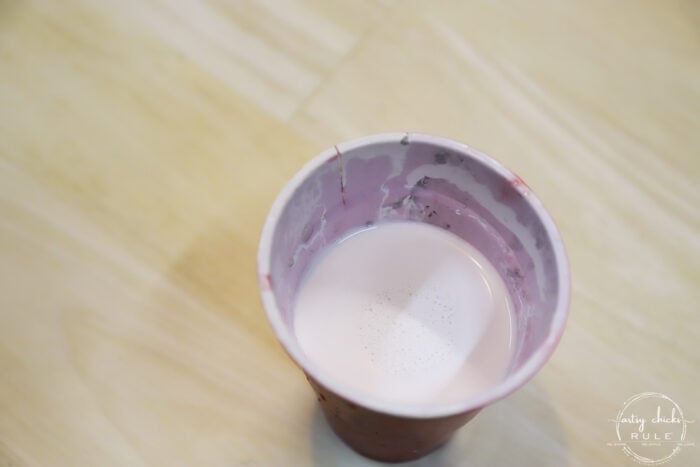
{"x":142,"y":142}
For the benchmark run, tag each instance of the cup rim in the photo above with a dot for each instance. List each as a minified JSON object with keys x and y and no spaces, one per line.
{"x":509,"y":384}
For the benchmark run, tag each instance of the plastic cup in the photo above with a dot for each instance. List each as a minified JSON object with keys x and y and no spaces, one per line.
{"x":396,"y":176}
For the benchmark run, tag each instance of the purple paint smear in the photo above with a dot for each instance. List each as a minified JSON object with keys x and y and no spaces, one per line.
{"x":423,"y":183}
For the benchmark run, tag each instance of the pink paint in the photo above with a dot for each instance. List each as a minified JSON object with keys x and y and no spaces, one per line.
{"x":520,"y":185}
{"x":407,"y":312}
{"x":265,"y":282}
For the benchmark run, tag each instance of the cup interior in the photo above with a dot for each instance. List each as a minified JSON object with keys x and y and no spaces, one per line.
{"x":421,"y":178}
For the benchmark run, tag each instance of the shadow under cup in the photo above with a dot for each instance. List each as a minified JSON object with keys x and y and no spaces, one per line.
{"x":421,"y":178}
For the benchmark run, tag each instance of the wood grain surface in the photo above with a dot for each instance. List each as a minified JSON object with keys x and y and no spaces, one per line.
{"x":142,"y":142}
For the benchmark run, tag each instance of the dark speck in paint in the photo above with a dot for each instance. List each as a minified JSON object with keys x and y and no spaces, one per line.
{"x":397,"y":204}
{"x":515,"y":273}
{"x":441,"y":158}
